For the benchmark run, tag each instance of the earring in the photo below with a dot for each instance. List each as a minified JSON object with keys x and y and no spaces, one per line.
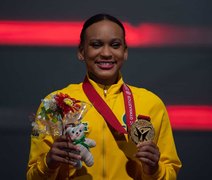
{"x":81,"y":58}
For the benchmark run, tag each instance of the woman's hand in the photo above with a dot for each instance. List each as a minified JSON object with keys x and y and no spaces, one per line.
{"x":62,"y":151}
{"x":149,"y":155}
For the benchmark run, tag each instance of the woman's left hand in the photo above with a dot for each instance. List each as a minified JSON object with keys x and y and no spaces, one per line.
{"x":149,"y":155}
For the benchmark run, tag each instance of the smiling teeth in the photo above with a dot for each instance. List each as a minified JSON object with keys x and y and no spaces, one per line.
{"x":106,"y":62}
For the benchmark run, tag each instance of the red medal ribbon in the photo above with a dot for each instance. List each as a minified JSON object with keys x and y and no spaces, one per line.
{"x":129,"y":105}
{"x":105,"y":110}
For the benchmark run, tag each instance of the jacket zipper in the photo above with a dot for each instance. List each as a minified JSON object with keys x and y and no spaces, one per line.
{"x":105,"y":91}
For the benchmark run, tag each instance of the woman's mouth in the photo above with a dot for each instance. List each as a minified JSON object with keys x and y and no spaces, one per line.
{"x":105,"y":64}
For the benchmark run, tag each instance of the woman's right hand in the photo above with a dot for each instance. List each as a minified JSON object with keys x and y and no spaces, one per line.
{"x":62,"y":151}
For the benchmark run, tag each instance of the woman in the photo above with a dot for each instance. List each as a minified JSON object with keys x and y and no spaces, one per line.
{"x":103,"y":49}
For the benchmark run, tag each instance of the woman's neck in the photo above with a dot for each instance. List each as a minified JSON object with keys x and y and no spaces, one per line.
{"x":105,"y":82}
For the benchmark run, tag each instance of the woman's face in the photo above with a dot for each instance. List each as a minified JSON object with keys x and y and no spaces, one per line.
{"x":104,"y":51}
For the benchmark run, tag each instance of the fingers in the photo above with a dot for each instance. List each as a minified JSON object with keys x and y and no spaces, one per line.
{"x":147,"y":159}
{"x":62,"y":138}
{"x":148,"y":153}
{"x":62,"y":151}
{"x":63,"y":142}
{"x":146,"y":143}
{"x":68,"y":159}
{"x":65,"y":146}
{"x":66,"y":152}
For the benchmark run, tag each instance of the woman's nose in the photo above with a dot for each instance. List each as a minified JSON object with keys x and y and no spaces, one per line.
{"x":106,"y":52}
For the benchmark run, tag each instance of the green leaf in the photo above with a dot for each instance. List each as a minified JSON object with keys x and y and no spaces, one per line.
{"x":43,"y":112}
{"x":54,"y":120}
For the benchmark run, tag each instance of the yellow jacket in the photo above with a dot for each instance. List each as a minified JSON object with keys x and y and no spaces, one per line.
{"x":113,"y":154}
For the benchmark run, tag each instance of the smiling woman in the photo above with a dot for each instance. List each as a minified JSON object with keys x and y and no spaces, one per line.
{"x":104,"y":51}
{"x":113,"y":115}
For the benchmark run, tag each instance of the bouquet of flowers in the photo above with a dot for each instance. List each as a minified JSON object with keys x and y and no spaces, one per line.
{"x":57,"y":112}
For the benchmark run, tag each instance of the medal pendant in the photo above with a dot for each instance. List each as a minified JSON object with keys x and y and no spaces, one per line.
{"x":142,"y":130}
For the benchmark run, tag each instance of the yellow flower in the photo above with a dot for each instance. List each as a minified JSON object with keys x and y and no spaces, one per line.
{"x":68,"y":102}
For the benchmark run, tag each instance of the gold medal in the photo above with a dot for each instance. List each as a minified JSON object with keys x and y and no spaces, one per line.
{"x":142,"y":130}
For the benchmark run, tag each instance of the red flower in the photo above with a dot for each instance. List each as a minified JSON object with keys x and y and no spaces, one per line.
{"x":66,"y":103}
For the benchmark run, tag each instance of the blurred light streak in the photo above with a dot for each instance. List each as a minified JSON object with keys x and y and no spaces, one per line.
{"x":190,"y":117}
{"x":49,"y":33}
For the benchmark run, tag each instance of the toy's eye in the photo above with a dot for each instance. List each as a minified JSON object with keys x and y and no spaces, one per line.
{"x":72,"y":131}
{"x":80,"y":130}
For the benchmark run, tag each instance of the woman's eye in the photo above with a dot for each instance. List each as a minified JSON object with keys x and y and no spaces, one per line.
{"x":116,"y":45}
{"x":96,"y":44}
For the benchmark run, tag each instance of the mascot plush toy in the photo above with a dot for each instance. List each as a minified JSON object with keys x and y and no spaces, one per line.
{"x":75,"y":133}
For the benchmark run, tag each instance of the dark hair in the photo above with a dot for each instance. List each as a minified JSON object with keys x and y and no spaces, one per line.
{"x":96,"y":18}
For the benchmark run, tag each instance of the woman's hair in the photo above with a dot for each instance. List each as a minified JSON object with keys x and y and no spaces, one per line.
{"x":96,"y":18}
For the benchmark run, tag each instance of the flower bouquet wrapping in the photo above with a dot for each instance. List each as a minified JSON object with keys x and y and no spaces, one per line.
{"x":57,"y":112}
{"x":61,"y":115}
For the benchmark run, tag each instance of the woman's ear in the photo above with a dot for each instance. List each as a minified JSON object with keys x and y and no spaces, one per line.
{"x":126,"y":53}
{"x":80,"y":54}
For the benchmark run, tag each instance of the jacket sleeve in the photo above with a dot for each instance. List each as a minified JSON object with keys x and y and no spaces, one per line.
{"x":37,"y":167}
{"x":169,"y":163}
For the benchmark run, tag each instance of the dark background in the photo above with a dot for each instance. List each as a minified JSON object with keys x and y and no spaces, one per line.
{"x":180,"y":75}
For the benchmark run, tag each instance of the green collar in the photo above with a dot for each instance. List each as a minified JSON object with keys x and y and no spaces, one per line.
{"x":81,"y":141}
